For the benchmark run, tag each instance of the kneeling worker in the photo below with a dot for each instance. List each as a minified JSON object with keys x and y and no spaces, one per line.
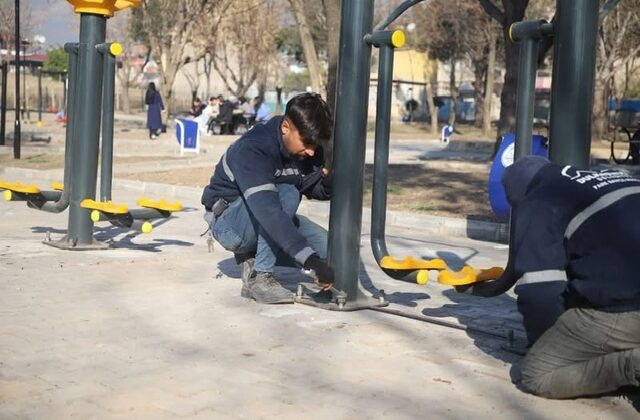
{"x":255,"y":190}
{"x":577,"y":237}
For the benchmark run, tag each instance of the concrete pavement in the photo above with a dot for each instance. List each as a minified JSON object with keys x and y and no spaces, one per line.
{"x":155,"y":328}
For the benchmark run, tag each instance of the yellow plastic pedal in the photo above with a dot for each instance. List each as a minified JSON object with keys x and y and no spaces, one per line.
{"x":19,"y":188}
{"x":58,"y":186}
{"x":162,"y":204}
{"x":469,"y":275}
{"x":104,"y":206}
{"x":410,"y":263}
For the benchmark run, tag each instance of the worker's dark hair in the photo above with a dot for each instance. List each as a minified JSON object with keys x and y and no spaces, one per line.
{"x":310,"y":114}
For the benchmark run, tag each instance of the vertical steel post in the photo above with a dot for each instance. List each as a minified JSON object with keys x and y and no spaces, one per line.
{"x":25,"y":110}
{"x":381,"y":157}
{"x":3,"y":99}
{"x":526,"y":97}
{"x":87,"y":121}
{"x":70,"y":110}
{"x":39,"y":95}
{"x":350,"y":141}
{"x":16,"y":130}
{"x":108,"y":109}
{"x":527,"y":34}
{"x":574,"y":49}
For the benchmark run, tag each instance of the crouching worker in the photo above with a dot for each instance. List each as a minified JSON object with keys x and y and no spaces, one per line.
{"x":255,"y":190}
{"x":577,"y":236}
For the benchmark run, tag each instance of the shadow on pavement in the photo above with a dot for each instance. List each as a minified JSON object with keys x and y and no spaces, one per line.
{"x":486,"y":320}
{"x":118,"y":237}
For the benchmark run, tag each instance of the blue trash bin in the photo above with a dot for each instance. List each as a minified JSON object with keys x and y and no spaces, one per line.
{"x":187,"y":135}
{"x":504,"y":158}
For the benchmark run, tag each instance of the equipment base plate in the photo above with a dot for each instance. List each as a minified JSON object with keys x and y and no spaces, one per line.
{"x":334,"y":300}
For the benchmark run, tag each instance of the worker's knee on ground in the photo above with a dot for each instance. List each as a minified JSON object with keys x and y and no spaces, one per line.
{"x":635,"y":360}
{"x":533,"y":378}
{"x":289,"y":198}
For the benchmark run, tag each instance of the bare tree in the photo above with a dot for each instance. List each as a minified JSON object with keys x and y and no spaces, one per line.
{"x":489,"y":82}
{"x":170,"y":27}
{"x":512,"y":11}
{"x":311,"y":56}
{"x":447,"y":33}
{"x":618,"y":45}
{"x":7,"y":22}
{"x":332,"y":12}
{"x":241,"y":49}
{"x":129,"y":68}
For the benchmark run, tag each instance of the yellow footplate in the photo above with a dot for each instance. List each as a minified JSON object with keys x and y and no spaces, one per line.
{"x":162,"y":204}
{"x":469,"y":275}
{"x":104,"y":206}
{"x":20,"y":188}
{"x":58,"y":186}
{"x":410,"y":263}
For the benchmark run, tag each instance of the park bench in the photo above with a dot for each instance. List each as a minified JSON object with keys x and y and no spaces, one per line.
{"x":626,"y":121}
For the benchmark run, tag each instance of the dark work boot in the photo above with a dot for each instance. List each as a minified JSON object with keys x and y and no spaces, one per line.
{"x":246,"y":267}
{"x":264,"y":288}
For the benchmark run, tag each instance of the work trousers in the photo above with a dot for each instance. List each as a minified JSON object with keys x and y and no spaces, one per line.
{"x":238,"y":231}
{"x":586,"y":352}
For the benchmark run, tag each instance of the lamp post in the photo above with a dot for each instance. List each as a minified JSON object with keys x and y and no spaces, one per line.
{"x":24,"y":43}
{"x":16,"y":131}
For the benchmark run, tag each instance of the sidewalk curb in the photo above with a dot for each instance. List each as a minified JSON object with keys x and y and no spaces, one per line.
{"x":318,"y":210}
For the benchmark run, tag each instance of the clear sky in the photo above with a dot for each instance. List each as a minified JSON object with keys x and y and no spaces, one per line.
{"x":55,"y":20}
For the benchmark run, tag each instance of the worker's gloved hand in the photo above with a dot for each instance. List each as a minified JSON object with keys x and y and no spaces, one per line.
{"x":323,"y":272}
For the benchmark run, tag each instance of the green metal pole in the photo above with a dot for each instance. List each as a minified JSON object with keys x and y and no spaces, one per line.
{"x":88,"y":92}
{"x":3,"y":99}
{"x":350,"y":141}
{"x":16,"y":130}
{"x":574,"y":57}
{"x":39,"y":95}
{"x":381,"y":157}
{"x":108,"y":109}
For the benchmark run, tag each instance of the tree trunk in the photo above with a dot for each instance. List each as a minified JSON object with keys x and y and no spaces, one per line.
{"x":125,"y":101}
{"x":599,"y":124}
{"x":479,"y":72}
{"x":333,"y":27}
{"x":488,"y":91}
{"x":433,"y":109}
{"x":453,"y":92}
{"x":508,"y":97}
{"x":513,"y":12}
{"x":310,"y":55}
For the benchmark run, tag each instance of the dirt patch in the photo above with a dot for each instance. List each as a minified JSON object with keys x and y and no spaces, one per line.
{"x":435,"y":188}
{"x":51,"y":161}
{"x":37,"y":161}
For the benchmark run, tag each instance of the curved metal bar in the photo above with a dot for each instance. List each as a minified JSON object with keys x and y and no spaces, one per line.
{"x":108,"y":92}
{"x":396,"y":14}
{"x":62,"y":202}
{"x":491,"y":288}
{"x":381,"y":153}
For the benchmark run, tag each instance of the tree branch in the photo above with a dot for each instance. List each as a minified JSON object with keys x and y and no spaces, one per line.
{"x":493,"y":11}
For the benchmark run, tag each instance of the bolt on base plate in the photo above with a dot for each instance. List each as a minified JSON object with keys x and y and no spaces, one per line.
{"x":69,"y":244}
{"x":335,"y":300}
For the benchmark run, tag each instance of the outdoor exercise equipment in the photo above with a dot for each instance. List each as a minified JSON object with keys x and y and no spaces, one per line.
{"x":3,"y":102}
{"x":574,"y":28}
{"x":16,"y":61}
{"x":504,"y":158}
{"x":409,"y":268}
{"x":91,"y":78}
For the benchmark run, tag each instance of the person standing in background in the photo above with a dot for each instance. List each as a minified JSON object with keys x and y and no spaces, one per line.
{"x":153,"y":100}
